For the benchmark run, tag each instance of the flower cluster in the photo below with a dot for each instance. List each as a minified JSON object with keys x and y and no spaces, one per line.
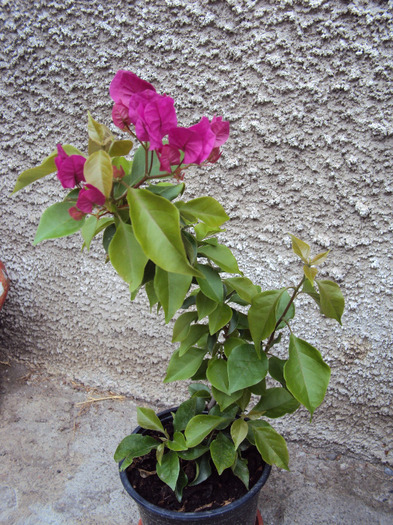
{"x":154,"y":117}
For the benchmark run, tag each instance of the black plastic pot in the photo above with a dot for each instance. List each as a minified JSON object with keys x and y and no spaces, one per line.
{"x":243,"y":511}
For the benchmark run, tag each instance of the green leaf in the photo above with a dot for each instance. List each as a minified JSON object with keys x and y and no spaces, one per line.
{"x":217,"y":374}
{"x":98,"y":172}
{"x":199,"y":427}
{"x":160,"y":452}
{"x":151,"y":294}
{"x":232,"y":343}
{"x":186,"y":411}
{"x":309,"y":289}
{"x":169,"y":470}
{"x":204,"y":470}
{"x":240,"y":469}
{"x":300,"y":248}
{"x":109,"y":232}
{"x":178,"y":442}
{"x":157,"y":228}
{"x":207,"y":209}
{"x":134,"y":446}
{"x":222,"y":256}
{"x":219,"y":318}
{"x":171,"y":290}
{"x":195,"y":333}
{"x":193,"y":453}
{"x":148,"y":419}
{"x":138,"y":166}
{"x":270,"y":444}
{"x":276,"y":369}
{"x":99,"y":133}
{"x":181,"y":484}
{"x":202,"y":230}
{"x":167,"y":190}
{"x":332,"y":299}
{"x":57,"y":222}
{"x":239,"y":431}
{"x":281,"y":305}
{"x":199,"y":390}
{"x":186,"y":366}
{"x":244,"y":287}
{"x":306,"y":374}
{"x":47,"y":167}
{"x":182,"y":326}
{"x":224,"y":400}
{"x":211,"y":284}
{"x":120,"y":147}
{"x":276,"y":402}
{"x":92,"y":226}
{"x":245,"y":368}
{"x":127,"y":256}
{"x":262,"y":315}
{"x":204,"y":305}
{"x":223,"y":452}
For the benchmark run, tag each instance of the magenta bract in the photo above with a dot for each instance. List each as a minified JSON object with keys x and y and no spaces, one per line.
{"x":196,"y":141}
{"x":221,"y":130}
{"x":125,"y":84}
{"x":88,"y":197}
{"x":120,"y":116}
{"x":169,"y":156}
{"x":69,"y":168}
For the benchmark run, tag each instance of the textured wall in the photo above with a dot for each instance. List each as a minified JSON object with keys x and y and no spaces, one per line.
{"x":307,"y":88}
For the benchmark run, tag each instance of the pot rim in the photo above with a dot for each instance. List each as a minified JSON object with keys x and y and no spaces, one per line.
{"x":184,"y":516}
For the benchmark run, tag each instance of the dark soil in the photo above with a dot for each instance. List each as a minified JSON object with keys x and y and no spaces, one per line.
{"x":213,"y":493}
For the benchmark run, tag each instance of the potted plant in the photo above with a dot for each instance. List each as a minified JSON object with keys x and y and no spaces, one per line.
{"x":232,"y":340}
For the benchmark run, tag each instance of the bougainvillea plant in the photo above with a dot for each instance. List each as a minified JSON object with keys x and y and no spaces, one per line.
{"x":228,"y":331}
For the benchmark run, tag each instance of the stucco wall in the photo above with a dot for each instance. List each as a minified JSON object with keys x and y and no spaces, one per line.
{"x":307,"y":88}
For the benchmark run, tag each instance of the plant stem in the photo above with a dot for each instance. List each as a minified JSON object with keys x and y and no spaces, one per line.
{"x":295,"y":292}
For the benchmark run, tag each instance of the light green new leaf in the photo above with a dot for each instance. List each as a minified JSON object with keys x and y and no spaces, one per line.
{"x":98,"y":171}
{"x":206,"y":209}
{"x":184,"y":367}
{"x":219,"y":318}
{"x":211,"y":284}
{"x":148,"y":419}
{"x":156,"y":224}
{"x":202,"y":230}
{"x":199,"y":427}
{"x":276,"y":402}
{"x":171,"y":290}
{"x":310,"y":272}
{"x":178,"y":442}
{"x":120,"y":147}
{"x":262,"y":315}
{"x":270,"y":444}
{"x":217,"y":374}
{"x":223,"y":452}
{"x":182,"y":326}
{"x":244,"y":287}
{"x":300,"y":248}
{"x":126,"y":255}
{"x":306,"y":374}
{"x":332,"y":299}
{"x":132,"y":447}
{"x":239,"y":431}
{"x":245,"y":368}
{"x":47,"y":167}
{"x":99,"y":133}
{"x":222,"y":256}
{"x":320,"y":258}
{"x":56,"y":222}
{"x":169,"y":470}
{"x":93,"y":227}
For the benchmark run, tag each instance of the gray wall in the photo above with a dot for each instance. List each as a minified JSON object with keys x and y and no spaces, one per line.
{"x":307,"y":88}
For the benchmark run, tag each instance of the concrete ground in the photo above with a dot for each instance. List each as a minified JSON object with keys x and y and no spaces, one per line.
{"x":57,"y":466}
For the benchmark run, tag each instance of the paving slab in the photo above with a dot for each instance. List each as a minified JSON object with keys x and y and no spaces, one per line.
{"x":57,"y":466}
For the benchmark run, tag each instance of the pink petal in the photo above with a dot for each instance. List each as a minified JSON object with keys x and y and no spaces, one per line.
{"x":88,"y":196}
{"x":120,"y":116}
{"x":221,"y":130}
{"x":169,"y":156}
{"x":196,"y":141}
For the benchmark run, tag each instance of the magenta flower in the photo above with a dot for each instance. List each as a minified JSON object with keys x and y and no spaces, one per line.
{"x":88,"y":197}
{"x":69,"y":168}
{"x":125,"y":84}
{"x":196,"y":141}
{"x":168,"y":156}
{"x":221,"y":130}
{"x":154,"y":116}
